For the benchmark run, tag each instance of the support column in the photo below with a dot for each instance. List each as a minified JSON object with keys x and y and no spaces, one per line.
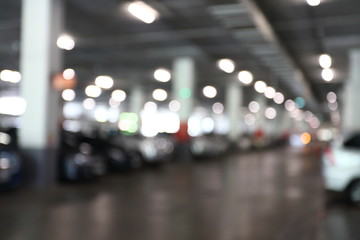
{"x":183,"y":91}
{"x":40,"y":58}
{"x":137,"y":99}
{"x":351,"y":121}
{"x":260,"y":115}
{"x":233,"y":103}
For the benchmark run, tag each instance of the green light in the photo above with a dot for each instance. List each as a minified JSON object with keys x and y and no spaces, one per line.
{"x":300,"y":102}
{"x":185,"y":93}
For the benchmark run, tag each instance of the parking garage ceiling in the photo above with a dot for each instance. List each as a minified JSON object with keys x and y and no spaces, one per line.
{"x":279,"y":41}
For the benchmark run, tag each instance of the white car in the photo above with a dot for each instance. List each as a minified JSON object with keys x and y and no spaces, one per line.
{"x":341,"y":168}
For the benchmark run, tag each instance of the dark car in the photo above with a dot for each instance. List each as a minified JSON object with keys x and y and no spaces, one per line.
{"x":80,"y":158}
{"x":10,"y":162}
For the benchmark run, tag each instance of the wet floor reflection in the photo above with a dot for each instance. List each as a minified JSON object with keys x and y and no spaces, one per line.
{"x":272,"y":194}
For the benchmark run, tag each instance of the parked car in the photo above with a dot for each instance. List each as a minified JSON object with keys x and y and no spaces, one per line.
{"x":209,"y":145}
{"x":121,"y":154}
{"x":80,"y":159}
{"x":151,"y":150}
{"x":341,"y":167}
{"x":10,"y":162}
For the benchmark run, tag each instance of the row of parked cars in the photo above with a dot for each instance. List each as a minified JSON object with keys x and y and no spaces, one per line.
{"x":87,"y":156}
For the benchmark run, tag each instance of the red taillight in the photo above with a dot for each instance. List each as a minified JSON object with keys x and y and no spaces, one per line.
{"x":329,"y":156}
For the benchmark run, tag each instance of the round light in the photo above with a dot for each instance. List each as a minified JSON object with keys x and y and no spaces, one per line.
{"x":305,"y":138}
{"x":290,"y":105}
{"x":162,"y":75}
{"x":101,"y":114}
{"x":89,"y":103}
{"x":313,"y":3}
{"x":113,"y":103}
{"x":249,"y":119}
{"x":333,"y":106}
{"x":10,"y":76}
{"x":69,"y":74}
{"x":331,"y":97}
{"x":270,"y":92}
{"x":207,"y":125}
{"x":118,"y":95}
{"x":105,"y":82}
{"x":325,"y":61}
{"x":226,"y":65}
{"x":270,"y":113}
{"x":327,"y":74}
{"x":300,"y":102}
{"x":218,"y":108}
{"x":254,"y":106}
{"x":65,"y":42}
{"x":245,"y":77}
{"x":260,"y":86}
{"x":209,"y":91}
{"x":279,"y":98}
{"x":150,"y":106}
{"x":314,"y":123}
{"x":92,"y":91}
{"x":68,"y":94}
{"x":160,"y":94}
{"x":174,"y":106}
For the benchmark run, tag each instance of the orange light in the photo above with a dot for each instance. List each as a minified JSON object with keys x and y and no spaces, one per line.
{"x":305,"y":138}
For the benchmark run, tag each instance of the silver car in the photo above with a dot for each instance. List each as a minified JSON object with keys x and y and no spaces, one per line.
{"x":341,"y":167}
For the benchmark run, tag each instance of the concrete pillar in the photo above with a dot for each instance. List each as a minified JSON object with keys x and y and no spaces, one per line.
{"x":233,"y":104}
{"x":137,"y":100}
{"x":40,"y":58}
{"x":183,"y":86}
{"x":351,"y":119}
{"x":260,"y":115}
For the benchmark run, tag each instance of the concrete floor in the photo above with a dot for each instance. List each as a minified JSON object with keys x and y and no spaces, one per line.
{"x":272,"y":194}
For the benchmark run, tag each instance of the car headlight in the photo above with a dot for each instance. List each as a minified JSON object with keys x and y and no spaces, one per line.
{"x":4,"y":163}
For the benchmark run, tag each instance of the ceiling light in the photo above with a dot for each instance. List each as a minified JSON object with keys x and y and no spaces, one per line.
{"x":105,"y":82}
{"x":333,"y":106}
{"x":279,"y":98}
{"x":331,"y":97}
{"x":209,"y":91}
{"x":69,"y":74}
{"x":92,"y":91}
{"x":174,"y":106}
{"x":68,"y":94}
{"x":10,"y":76}
{"x":89,"y":103}
{"x":290,"y":105}
{"x":325,"y":61}
{"x":162,"y":75}
{"x":254,"y":106}
{"x":218,"y":108}
{"x":227,"y":65}
{"x":113,"y":103}
{"x":160,"y":94}
{"x":245,"y":77}
{"x":118,"y":95}
{"x":313,"y":3}
{"x":327,"y":74}
{"x":65,"y":42}
{"x":270,"y":113}
{"x":270,"y":92}
{"x":150,"y":106}
{"x":143,"y":11}
{"x":249,"y":119}
{"x":260,"y":86}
